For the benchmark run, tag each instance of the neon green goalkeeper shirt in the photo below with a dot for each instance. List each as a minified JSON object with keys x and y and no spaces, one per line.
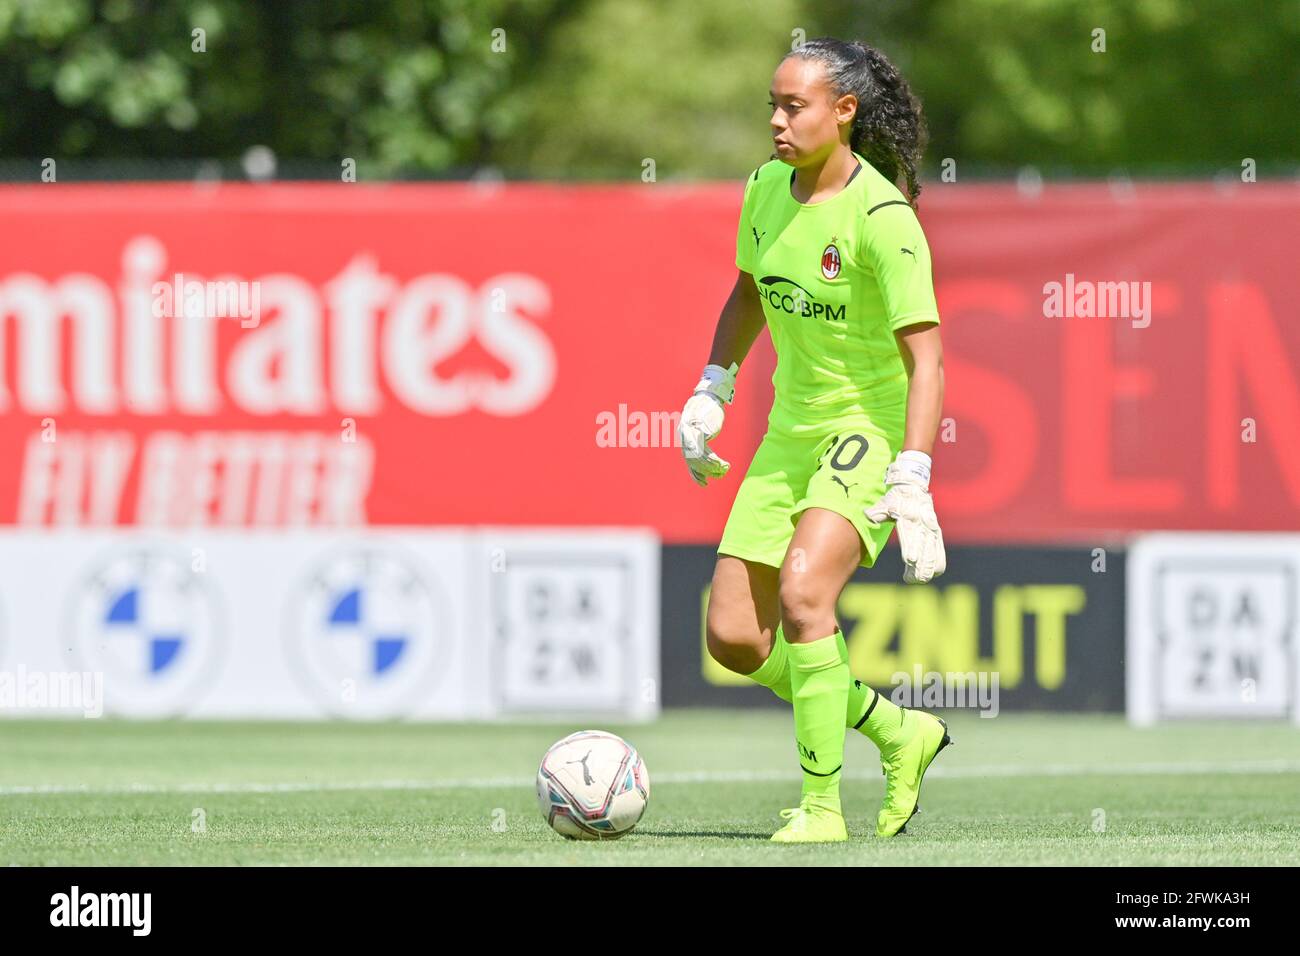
{"x":836,"y":278}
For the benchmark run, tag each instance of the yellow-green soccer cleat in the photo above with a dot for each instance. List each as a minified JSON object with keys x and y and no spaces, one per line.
{"x":812,"y":822}
{"x":904,"y":769}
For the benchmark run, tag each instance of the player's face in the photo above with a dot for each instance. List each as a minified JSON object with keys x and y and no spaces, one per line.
{"x":806,"y":118}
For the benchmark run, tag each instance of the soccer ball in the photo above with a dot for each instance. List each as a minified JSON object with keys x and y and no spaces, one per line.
{"x":592,"y":786}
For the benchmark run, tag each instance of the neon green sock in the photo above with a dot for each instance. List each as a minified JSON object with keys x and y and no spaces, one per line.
{"x":880,"y":720}
{"x":859,"y":693}
{"x":872,"y":713}
{"x":774,"y":674}
{"x":819,"y":676}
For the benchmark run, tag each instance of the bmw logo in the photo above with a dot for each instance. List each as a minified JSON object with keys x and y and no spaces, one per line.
{"x":365,"y":632}
{"x":151,"y":625}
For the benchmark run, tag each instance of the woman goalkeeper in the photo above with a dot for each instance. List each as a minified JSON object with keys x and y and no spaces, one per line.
{"x":833,"y":260}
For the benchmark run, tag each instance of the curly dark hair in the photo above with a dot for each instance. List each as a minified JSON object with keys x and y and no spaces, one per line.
{"x":888,"y":129}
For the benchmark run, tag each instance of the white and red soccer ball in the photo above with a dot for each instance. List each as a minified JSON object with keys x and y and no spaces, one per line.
{"x":592,"y":785}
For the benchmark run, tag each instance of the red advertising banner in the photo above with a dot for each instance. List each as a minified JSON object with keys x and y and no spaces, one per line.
{"x":243,"y":355}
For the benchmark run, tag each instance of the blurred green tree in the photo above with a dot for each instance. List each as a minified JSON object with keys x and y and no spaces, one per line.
{"x":395,"y":84}
{"x":594,"y":88}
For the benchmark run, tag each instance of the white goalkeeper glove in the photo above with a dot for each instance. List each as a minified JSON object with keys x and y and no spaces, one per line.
{"x":908,"y":503}
{"x":702,"y":421}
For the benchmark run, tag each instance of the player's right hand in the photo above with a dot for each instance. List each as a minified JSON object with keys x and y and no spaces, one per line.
{"x":701,"y":422}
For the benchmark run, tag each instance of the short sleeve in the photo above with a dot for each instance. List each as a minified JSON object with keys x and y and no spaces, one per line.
{"x":745,"y":245}
{"x":896,"y":250}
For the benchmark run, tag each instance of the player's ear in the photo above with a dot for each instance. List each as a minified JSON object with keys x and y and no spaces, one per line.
{"x":846,"y":108}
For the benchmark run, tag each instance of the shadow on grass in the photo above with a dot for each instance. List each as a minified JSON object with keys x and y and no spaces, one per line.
{"x":695,"y":834}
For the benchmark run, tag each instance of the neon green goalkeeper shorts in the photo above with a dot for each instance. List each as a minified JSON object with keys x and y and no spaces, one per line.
{"x":837,"y":465}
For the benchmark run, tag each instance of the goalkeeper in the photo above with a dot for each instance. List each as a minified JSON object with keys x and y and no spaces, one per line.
{"x":832,"y":259}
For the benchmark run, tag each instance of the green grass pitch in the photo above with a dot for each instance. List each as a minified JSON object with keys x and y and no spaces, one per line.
{"x":1037,"y":789}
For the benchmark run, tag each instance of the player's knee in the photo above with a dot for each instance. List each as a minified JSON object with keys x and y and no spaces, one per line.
{"x":728,"y":644}
{"x":804,"y":609}
{"x":720,"y":641}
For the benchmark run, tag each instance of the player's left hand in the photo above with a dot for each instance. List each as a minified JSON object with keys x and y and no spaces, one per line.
{"x":907,"y":502}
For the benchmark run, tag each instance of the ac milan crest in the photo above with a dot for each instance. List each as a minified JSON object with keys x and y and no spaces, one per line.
{"x":830,"y":261}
